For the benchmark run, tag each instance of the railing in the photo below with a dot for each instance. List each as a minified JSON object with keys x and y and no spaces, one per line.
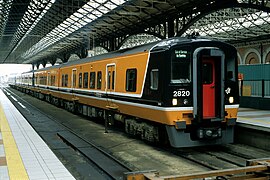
{"x":255,"y":88}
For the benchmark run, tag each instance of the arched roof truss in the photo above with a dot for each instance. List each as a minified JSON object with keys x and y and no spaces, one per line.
{"x":34,"y":30}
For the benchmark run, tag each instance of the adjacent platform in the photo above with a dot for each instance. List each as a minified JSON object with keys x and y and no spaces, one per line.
{"x":23,"y":154}
{"x":254,"y":119}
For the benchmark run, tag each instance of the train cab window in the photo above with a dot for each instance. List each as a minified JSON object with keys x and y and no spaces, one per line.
{"x":131,"y":80}
{"x":207,"y":73}
{"x":99,"y":78}
{"x":85,"y":80}
{"x":154,"y":79}
{"x":80,"y":80}
{"x":181,"y":65}
{"x":92,"y":80}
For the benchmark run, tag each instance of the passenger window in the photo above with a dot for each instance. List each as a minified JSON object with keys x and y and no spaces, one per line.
{"x":92,"y":80}
{"x":63,"y":80}
{"x":80,"y":80}
{"x":131,"y":78}
{"x":85,"y":80}
{"x":154,"y":79}
{"x":53,"y":80}
{"x":66,"y":80}
{"x":109,"y":80}
{"x":99,"y":78}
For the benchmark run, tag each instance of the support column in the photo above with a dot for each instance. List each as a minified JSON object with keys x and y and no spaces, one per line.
{"x":170,"y":28}
{"x":33,"y":75}
{"x":44,"y":62}
{"x":112,"y":44}
{"x":65,"y":57}
{"x":37,"y":65}
{"x":83,"y":53}
{"x":53,"y":61}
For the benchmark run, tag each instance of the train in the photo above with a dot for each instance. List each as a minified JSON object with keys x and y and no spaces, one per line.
{"x":179,"y":91}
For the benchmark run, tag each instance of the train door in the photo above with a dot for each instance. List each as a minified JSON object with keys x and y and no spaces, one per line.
{"x":110,"y":78}
{"x":49,"y":83}
{"x":208,"y":83}
{"x":73,"y":79}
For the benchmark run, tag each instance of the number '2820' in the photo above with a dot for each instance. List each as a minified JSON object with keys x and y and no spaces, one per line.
{"x":182,"y":93}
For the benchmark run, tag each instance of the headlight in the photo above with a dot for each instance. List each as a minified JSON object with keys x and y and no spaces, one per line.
{"x":174,"y":102}
{"x":231,"y":99}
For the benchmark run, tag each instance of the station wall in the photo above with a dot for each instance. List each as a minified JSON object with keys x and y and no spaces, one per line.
{"x":255,"y":86}
{"x":257,"y":54}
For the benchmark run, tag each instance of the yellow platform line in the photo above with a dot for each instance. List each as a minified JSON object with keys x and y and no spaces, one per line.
{"x":15,"y":165}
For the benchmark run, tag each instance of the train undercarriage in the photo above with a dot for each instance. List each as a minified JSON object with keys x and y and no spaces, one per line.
{"x":145,"y":130}
{"x":132,"y":125}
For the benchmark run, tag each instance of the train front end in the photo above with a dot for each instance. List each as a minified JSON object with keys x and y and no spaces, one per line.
{"x":203,"y":88}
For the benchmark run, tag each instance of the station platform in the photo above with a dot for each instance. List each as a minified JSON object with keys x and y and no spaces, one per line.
{"x":23,"y":153}
{"x":254,"y":119}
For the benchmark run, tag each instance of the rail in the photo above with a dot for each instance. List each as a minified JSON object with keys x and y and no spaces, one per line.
{"x":254,"y":88}
{"x":255,"y":169}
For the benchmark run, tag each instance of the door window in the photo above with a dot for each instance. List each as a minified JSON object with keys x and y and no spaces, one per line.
{"x":207,"y":76}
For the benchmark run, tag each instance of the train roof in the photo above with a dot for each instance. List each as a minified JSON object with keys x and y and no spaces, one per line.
{"x":151,"y":47}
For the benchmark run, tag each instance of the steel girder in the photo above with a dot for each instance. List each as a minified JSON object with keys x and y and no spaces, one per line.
{"x":45,"y":30}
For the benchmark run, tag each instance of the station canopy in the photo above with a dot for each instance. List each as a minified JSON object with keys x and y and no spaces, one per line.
{"x":32,"y":30}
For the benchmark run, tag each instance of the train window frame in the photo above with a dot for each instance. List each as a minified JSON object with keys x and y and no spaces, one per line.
{"x":80,"y":80}
{"x":99,"y":80}
{"x":154,"y":78}
{"x":183,"y":67}
{"x":131,"y":82}
{"x":85,"y":80}
{"x":92,"y":83}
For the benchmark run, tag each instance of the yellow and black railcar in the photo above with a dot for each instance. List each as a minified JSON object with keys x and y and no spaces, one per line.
{"x":180,"y":89}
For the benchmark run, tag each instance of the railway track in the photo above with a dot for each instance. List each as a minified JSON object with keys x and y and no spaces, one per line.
{"x":106,"y":165}
{"x":134,"y":155}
